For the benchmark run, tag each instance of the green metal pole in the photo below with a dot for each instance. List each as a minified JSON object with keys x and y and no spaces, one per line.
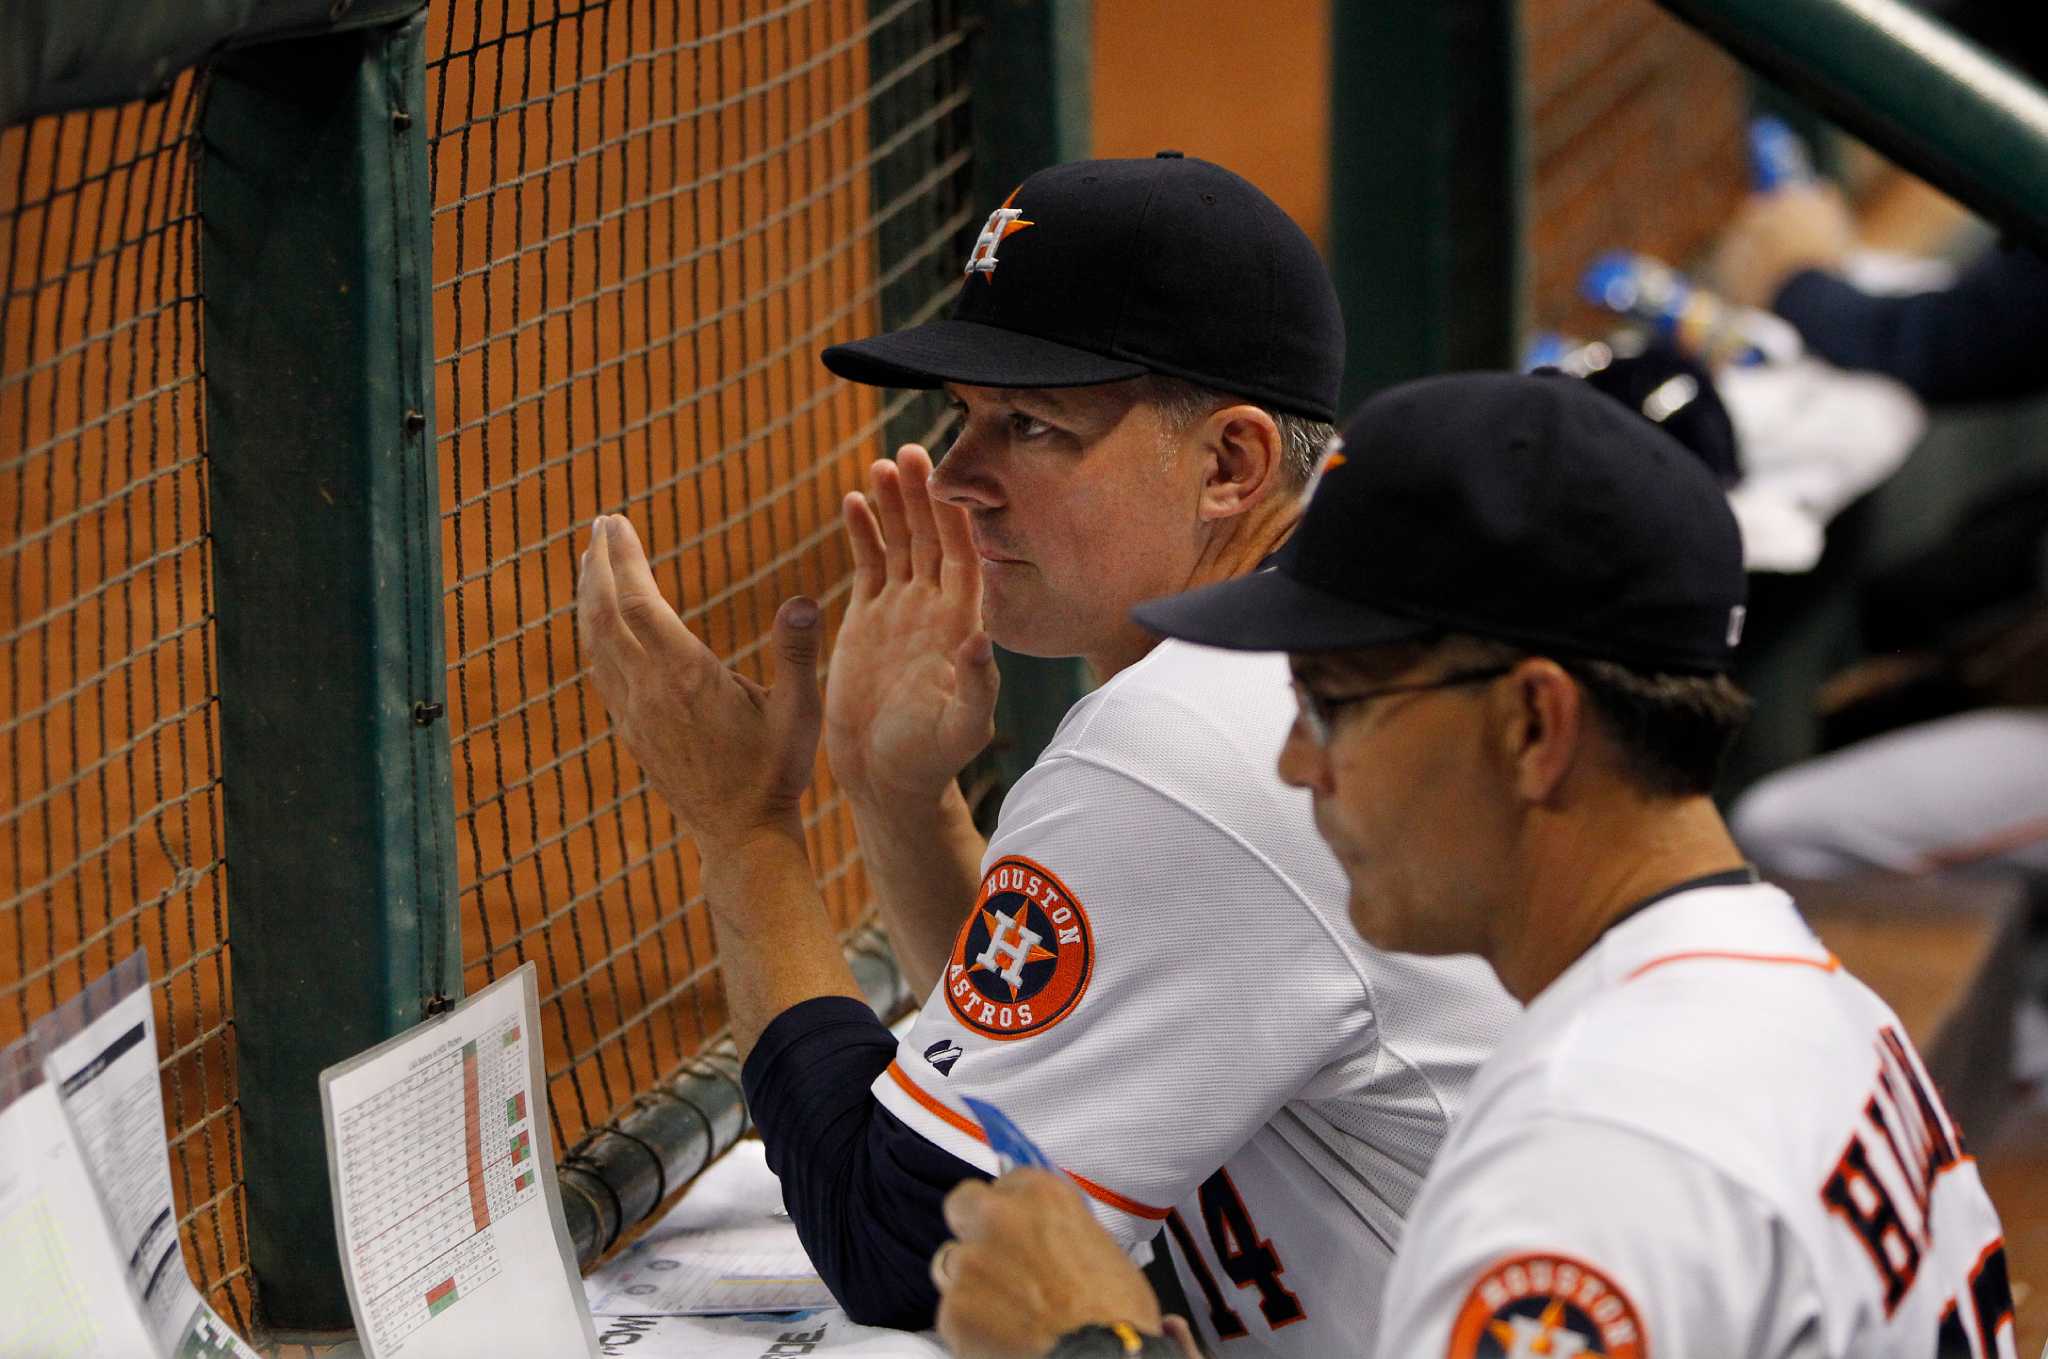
{"x":326,"y":536}
{"x":1426,"y":187}
{"x":1033,"y":61}
{"x":1910,"y":87}
{"x":1032,"y":108}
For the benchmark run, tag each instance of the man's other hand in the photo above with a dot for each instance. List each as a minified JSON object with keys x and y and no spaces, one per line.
{"x":1027,"y":1264}
{"x":730,"y":757}
{"x":1779,"y":234}
{"x":911,"y":696}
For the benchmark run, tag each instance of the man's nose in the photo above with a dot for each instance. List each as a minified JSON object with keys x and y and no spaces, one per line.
{"x":1301,"y":759}
{"x":966,"y":475}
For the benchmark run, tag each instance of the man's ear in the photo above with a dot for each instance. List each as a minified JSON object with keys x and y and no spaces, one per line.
{"x":1243,"y":456}
{"x":1543,"y":727}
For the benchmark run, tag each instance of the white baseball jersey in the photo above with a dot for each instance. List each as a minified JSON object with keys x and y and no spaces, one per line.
{"x":1160,"y":984}
{"x":1704,"y":1140}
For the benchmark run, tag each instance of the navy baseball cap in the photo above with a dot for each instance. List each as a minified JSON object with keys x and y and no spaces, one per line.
{"x":1526,"y":509}
{"x":1102,"y":270}
{"x":1678,"y":393}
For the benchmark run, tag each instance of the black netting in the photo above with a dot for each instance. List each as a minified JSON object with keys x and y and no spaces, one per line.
{"x":648,"y":220}
{"x":110,"y":835}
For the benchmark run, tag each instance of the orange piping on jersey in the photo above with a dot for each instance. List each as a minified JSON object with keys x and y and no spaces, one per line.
{"x":1997,"y":1244}
{"x":973,"y":1130}
{"x":1829,"y":964}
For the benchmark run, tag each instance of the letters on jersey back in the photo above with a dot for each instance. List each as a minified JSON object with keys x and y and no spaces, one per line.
{"x":1883,"y":1189}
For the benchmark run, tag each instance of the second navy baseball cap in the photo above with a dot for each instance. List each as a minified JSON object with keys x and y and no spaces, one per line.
{"x":1102,"y":270}
{"x":1527,"y":509}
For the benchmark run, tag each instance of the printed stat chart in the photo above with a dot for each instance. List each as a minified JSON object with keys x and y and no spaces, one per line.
{"x":445,"y":1152}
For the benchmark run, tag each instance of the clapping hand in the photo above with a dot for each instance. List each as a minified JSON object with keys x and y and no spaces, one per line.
{"x":912,"y":692}
{"x":730,"y":757}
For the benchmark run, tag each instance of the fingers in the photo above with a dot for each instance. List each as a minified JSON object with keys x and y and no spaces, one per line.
{"x":608,"y":644}
{"x":885,"y":488}
{"x":1181,"y":1334}
{"x":966,"y":1208}
{"x":864,"y":541}
{"x":976,"y":1208}
{"x":915,"y":468}
{"x":944,"y":1265}
{"x":959,"y":564}
{"x":899,"y":532}
{"x":653,"y":622}
{"x":948,"y":556}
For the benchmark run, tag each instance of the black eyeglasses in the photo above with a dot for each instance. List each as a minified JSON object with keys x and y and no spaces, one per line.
{"x":1319,"y":711}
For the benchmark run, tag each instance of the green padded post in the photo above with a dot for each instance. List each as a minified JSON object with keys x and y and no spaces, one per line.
{"x":1426,"y":187}
{"x":326,"y":535}
{"x":1033,"y":61}
{"x":59,"y":55}
{"x":1909,"y":86}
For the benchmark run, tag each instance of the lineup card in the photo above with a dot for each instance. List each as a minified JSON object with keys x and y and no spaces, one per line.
{"x":99,"y":1050}
{"x":65,"y":1291}
{"x":452,"y":1237}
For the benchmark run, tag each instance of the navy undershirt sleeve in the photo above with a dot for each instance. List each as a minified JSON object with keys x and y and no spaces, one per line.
{"x":1983,"y":339}
{"x":863,"y":1189}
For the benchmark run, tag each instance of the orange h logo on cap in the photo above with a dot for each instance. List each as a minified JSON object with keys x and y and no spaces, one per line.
{"x":1004,"y":220}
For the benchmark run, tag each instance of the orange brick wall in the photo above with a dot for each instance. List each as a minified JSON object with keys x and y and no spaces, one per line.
{"x":1635,"y":139}
{"x":1244,"y":85}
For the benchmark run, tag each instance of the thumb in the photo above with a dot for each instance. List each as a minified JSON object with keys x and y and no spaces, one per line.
{"x":798,"y":638}
{"x":977,"y":679}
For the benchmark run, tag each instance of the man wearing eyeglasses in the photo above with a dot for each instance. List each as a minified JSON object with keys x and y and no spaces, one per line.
{"x":1147,"y":963}
{"x":1509,"y":612}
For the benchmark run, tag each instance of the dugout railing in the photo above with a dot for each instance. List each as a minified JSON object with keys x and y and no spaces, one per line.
{"x":319,"y":354}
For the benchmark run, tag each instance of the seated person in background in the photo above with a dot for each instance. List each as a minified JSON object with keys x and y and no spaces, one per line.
{"x":1147,"y":963}
{"x":1944,"y":729}
{"x":1981,"y":339}
{"x":1509,"y":611}
{"x":1969,"y":787}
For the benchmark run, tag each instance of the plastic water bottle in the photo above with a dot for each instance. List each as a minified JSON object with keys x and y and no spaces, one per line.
{"x":1778,"y":159}
{"x":1552,"y":349}
{"x":1699,"y":324}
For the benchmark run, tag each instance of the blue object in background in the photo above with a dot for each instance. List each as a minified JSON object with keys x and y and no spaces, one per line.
{"x":1698,"y":323}
{"x":1778,"y":159}
{"x":1012,"y":1147}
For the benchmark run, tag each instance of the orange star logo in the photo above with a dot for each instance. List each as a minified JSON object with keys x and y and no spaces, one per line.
{"x":1018,"y":955}
{"x":1539,"y":1340}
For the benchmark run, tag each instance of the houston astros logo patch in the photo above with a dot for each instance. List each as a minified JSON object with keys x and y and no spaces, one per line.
{"x":1022,"y":962}
{"x":1546,"y":1304}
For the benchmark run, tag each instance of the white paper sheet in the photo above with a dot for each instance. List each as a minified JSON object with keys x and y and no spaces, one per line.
{"x":64,"y":1286}
{"x":783,"y":1336}
{"x":722,"y":1250}
{"x":726,"y":1247}
{"x":452,"y":1239}
{"x":99,"y":1050}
